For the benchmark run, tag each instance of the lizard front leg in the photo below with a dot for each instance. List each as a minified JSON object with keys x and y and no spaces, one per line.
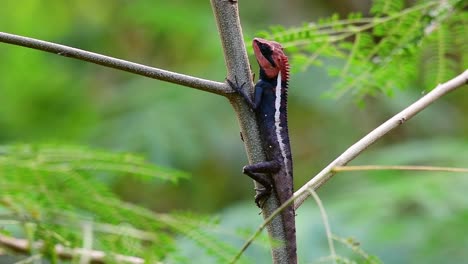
{"x":260,"y":173}
{"x":239,"y":88}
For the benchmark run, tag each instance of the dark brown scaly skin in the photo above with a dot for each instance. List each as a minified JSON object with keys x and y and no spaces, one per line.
{"x":270,"y":107}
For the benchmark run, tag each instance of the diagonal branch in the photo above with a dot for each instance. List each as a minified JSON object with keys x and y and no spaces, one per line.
{"x":397,"y":120}
{"x":398,"y":167}
{"x":154,"y":73}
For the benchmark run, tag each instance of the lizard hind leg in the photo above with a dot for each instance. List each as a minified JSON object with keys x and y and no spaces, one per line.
{"x":260,"y":173}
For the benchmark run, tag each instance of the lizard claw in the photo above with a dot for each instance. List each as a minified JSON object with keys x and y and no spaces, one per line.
{"x":261,"y":197}
{"x":235,"y":86}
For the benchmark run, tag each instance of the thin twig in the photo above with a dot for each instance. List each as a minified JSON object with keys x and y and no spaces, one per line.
{"x":274,"y":214}
{"x":394,"y":122}
{"x":352,"y":27}
{"x":267,"y":220}
{"x":326,"y":224}
{"x":155,"y":73}
{"x":401,"y":168}
{"x":94,"y":256}
{"x":354,"y":246}
{"x":254,"y":236}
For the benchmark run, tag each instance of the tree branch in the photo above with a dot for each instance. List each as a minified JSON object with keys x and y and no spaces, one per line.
{"x":227,"y":19}
{"x":400,"y":168}
{"x":397,"y":120}
{"x":154,"y":73}
{"x":94,"y":256}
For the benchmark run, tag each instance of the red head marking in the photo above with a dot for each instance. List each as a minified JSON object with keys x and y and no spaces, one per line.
{"x":271,"y":58}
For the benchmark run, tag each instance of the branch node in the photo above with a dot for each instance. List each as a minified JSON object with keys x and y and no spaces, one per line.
{"x":401,"y":120}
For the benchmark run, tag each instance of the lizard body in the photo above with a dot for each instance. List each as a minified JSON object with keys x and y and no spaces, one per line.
{"x":270,"y":106}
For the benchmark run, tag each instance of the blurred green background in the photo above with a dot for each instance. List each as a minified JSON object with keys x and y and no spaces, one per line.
{"x":411,"y":217}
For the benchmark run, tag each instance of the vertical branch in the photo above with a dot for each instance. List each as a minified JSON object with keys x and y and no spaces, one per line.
{"x":235,"y":55}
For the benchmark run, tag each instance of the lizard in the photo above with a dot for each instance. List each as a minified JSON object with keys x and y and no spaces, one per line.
{"x":269,"y":104}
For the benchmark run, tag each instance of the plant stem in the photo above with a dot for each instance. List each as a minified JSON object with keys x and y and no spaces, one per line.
{"x":400,"y":168}
{"x":155,"y":73}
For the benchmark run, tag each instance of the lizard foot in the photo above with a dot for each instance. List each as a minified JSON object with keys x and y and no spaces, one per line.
{"x":261,"y":197}
{"x":235,"y":86}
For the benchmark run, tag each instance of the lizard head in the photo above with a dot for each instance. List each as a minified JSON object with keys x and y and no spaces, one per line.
{"x":270,"y":57}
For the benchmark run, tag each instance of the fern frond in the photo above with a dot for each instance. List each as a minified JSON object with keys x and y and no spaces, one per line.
{"x":382,"y":53}
{"x":384,"y":8}
{"x":59,"y":190}
{"x":445,"y":50}
{"x":69,"y":158}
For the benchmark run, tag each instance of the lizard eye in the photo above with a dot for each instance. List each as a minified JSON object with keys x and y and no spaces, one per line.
{"x":265,"y":50}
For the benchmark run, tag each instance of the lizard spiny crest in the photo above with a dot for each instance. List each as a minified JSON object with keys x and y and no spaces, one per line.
{"x":271,"y":58}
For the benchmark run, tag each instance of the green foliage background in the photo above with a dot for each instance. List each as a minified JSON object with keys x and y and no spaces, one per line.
{"x":399,"y":217}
